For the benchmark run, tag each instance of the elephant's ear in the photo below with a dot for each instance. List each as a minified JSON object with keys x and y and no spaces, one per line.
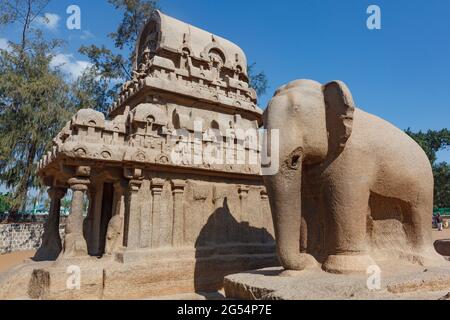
{"x":339,"y":112}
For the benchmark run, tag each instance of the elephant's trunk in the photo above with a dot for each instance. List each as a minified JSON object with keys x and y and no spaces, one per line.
{"x":284,"y":191}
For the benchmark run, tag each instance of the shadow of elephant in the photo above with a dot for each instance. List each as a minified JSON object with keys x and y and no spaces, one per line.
{"x":226,"y":246}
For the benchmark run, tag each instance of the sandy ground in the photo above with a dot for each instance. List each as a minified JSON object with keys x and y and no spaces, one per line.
{"x":13,"y":259}
{"x":438,"y":235}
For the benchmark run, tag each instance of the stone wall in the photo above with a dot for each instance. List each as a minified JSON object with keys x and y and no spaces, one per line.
{"x":22,"y":218}
{"x":21,"y":236}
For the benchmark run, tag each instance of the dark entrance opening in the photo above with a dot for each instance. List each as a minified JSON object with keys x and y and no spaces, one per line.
{"x":107,"y":203}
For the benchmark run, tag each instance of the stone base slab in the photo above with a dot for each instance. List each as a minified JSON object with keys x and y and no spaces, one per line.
{"x":409,"y":282}
{"x":144,"y":254}
{"x":174,"y":273}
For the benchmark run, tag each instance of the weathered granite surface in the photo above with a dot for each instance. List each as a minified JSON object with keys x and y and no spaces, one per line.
{"x":409,"y":282}
{"x":169,"y":212}
{"x":351,"y":186}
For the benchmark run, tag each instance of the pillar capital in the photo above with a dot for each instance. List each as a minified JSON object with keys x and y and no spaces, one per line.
{"x":134,"y":185}
{"x":264,"y":195}
{"x":133,"y":173}
{"x":56,"y":193}
{"x":178,"y":186}
{"x":243,"y":191}
{"x":79,"y":184}
{"x":83,"y":171}
{"x":157,"y":185}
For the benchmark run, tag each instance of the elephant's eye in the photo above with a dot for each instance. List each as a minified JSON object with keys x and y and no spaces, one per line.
{"x":295,"y":161}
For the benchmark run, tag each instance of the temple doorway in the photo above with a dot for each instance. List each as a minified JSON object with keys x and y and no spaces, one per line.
{"x":106,"y":214}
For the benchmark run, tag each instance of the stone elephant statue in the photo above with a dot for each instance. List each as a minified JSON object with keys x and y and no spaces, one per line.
{"x":342,"y":172}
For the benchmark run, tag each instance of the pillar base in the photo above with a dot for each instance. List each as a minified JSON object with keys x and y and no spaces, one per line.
{"x":75,"y":245}
{"x":49,"y":252}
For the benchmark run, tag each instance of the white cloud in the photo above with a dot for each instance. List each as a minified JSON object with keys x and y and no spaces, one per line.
{"x":70,"y":66}
{"x":49,"y":21}
{"x":87,"y":35}
{"x":4,"y":44}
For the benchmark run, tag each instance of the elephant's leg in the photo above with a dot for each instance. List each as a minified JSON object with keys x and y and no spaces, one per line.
{"x":418,"y":219}
{"x":310,"y":229}
{"x":307,"y":213}
{"x":348,"y":205}
{"x":303,"y":235}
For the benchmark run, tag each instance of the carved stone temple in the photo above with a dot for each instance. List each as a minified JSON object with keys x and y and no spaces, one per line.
{"x":160,"y":225}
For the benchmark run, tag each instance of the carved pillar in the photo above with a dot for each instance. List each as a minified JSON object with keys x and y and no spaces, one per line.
{"x":244,"y":235}
{"x":178,"y":187}
{"x":156,"y":187}
{"x":51,"y":245}
{"x":222,"y":219}
{"x":134,"y":214}
{"x":243,"y":196}
{"x":267,"y":216}
{"x":74,"y":242}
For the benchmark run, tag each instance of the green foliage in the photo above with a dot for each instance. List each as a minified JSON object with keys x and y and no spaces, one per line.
{"x":35,"y":100}
{"x":432,"y":142}
{"x":66,"y":202}
{"x":90,"y":91}
{"x":135,"y":14}
{"x":100,"y":82}
{"x":33,"y":105}
{"x":441,"y":172}
{"x":5,"y":202}
{"x":106,"y":63}
{"x":258,"y":81}
{"x":23,"y":13}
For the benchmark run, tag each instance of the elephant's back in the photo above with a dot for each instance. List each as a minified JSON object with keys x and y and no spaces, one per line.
{"x":400,"y":162}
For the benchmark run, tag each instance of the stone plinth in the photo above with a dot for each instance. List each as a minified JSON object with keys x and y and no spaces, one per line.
{"x":411,"y":282}
{"x":135,"y":275}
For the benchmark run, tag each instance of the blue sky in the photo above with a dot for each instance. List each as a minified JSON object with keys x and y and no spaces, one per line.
{"x":400,"y":72}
